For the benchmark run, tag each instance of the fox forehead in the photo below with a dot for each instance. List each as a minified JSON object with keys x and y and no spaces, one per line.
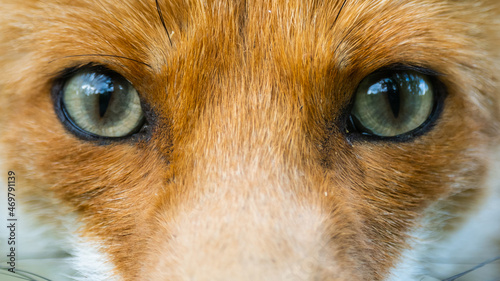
{"x":230,"y":46}
{"x":247,"y":165}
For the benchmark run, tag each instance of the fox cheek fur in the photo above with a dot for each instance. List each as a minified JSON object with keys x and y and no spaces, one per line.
{"x":247,"y":160}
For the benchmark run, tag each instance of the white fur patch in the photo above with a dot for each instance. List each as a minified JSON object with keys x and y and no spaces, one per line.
{"x":91,"y":263}
{"x":476,"y":241}
{"x":41,"y":249}
{"x":51,"y":249}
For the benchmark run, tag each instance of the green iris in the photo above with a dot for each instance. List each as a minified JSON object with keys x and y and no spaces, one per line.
{"x":102,"y":103}
{"x":389,"y":104}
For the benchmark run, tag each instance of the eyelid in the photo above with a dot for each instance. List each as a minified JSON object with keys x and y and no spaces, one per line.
{"x":68,"y":122}
{"x":353,"y":135}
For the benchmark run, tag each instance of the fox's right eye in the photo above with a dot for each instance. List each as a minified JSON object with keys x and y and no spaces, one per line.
{"x":100,"y":103}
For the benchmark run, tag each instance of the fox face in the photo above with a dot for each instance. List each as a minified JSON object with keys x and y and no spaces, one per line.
{"x":254,"y":140}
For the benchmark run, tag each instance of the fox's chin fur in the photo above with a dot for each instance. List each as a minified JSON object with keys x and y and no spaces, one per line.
{"x":246,"y":169}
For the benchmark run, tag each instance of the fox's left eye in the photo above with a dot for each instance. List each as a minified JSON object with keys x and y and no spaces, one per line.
{"x":393,"y":103}
{"x":101,"y":103}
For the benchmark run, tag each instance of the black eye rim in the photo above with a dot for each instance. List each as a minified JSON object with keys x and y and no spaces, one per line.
{"x":143,"y":131}
{"x":440,"y":93}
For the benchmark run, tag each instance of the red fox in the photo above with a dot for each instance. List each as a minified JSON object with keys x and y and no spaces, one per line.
{"x":250,"y":140}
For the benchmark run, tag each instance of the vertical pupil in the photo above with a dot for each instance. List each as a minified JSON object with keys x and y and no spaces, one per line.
{"x":104,"y":99}
{"x":392,"y":96}
{"x":103,"y":86}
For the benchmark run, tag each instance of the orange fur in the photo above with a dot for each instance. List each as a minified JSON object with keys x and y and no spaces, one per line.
{"x":246,"y":172}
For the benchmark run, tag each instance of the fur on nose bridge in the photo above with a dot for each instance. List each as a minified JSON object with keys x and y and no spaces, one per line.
{"x":248,"y":132}
{"x":241,"y":227}
{"x":250,"y":177}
